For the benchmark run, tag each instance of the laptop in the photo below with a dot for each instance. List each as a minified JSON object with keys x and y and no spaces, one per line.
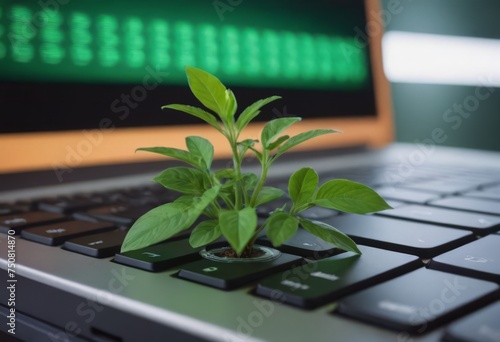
{"x":81,"y":89}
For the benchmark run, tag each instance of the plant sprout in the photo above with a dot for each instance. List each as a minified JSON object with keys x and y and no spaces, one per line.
{"x":224,"y":202}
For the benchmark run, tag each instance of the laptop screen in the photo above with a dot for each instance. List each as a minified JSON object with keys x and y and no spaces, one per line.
{"x":72,"y":66}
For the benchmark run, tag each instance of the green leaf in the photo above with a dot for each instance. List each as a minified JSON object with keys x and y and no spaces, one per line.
{"x":350,"y":197}
{"x":268,"y":194}
{"x":167,"y":220}
{"x":176,"y":153}
{"x":182,"y":155}
{"x":204,"y":233}
{"x":229,"y":176}
{"x":252,"y":111}
{"x":231,"y":104}
{"x":330,"y":234}
{"x":208,"y":89}
{"x":244,"y":145}
{"x":275,"y":127}
{"x":278,"y":142}
{"x":300,"y":138}
{"x":249,"y":181}
{"x":238,"y":227}
{"x":225,"y":174}
{"x":281,"y":226}
{"x":257,"y":153}
{"x":301,"y":185}
{"x":183,"y":179}
{"x":197,"y":112}
{"x":201,"y":149}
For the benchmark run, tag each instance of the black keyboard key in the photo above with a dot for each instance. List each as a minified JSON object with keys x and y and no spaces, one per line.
{"x":372,"y":176}
{"x":318,"y":213}
{"x":159,"y":257}
{"x":480,"y":224}
{"x":469,"y":204}
{"x":492,"y":187}
{"x":56,"y":234}
{"x":7,"y":209}
{"x":485,"y":194}
{"x":406,"y":195}
{"x":479,"y":326}
{"x":305,"y":244}
{"x":420,"y":239}
{"x":120,"y":213}
{"x":67,"y":205}
{"x":479,"y":259}
{"x":418,"y":301}
{"x":18,"y":222}
{"x":148,"y":195}
{"x":321,"y":282}
{"x":266,"y":209}
{"x":395,"y":204}
{"x":441,"y":186}
{"x":102,"y":245}
{"x":228,"y":276}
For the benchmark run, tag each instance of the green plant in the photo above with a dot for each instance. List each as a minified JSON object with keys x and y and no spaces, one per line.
{"x":227,"y":199}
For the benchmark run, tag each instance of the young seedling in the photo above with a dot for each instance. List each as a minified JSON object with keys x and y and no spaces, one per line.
{"x":224,"y":202}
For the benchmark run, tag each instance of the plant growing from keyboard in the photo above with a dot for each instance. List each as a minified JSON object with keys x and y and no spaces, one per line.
{"x":224,"y":202}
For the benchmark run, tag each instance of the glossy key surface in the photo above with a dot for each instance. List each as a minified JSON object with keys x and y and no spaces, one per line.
{"x":228,"y":276}
{"x":56,"y":233}
{"x":18,"y":222}
{"x":119,"y":213}
{"x":477,"y":326}
{"x":469,"y":204}
{"x":490,"y":195}
{"x":480,"y":224}
{"x":159,"y":257}
{"x":424,"y":240}
{"x":8,"y":209}
{"x":441,"y":186}
{"x":66,"y":205}
{"x":480,"y":258}
{"x":102,"y":245}
{"x":306,"y":245}
{"x":406,"y":195}
{"x":418,"y":301}
{"x":318,"y":283}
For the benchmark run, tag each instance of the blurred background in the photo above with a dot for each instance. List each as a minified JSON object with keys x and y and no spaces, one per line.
{"x":463,"y":100}
{"x":442,"y":58}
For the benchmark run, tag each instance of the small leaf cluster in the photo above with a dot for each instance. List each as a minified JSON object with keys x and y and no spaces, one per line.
{"x":224,"y":202}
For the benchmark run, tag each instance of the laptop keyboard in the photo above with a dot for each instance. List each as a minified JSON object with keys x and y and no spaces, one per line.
{"x":433,"y":261}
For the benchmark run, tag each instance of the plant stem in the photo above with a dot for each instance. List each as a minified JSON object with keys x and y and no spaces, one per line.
{"x":237,"y":170}
{"x":262,"y":180}
{"x":295,"y":210}
{"x":261,"y":228}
